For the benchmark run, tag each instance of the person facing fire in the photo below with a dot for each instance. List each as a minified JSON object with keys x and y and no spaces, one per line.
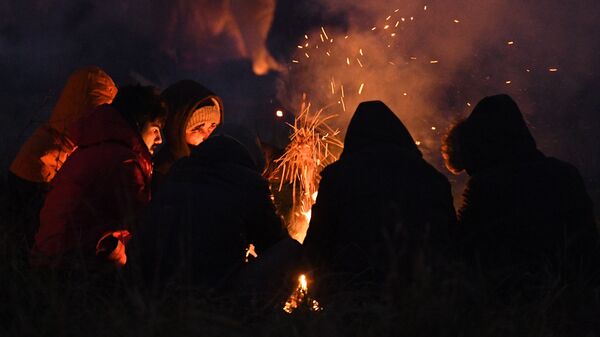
{"x":382,"y":211}
{"x":105,"y":183}
{"x":43,"y":154}
{"x":210,"y":208}
{"x":524,"y":215}
{"x":195,"y":112}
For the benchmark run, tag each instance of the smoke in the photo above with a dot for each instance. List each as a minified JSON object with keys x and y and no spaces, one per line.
{"x":432,"y":61}
{"x":41,"y":42}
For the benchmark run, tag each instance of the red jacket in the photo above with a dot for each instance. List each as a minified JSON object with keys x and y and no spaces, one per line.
{"x":101,"y":188}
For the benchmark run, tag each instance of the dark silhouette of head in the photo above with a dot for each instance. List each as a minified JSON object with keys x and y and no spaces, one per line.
{"x":139,"y":105}
{"x":373,"y":125}
{"x":494,"y":134}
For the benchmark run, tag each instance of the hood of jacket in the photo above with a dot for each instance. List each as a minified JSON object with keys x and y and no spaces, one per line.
{"x":374,"y":126}
{"x":86,"y":89}
{"x":105,"y":124}
{"x":183,"y":98}
{"x":494,"y":134}
{"x":223,"y":149}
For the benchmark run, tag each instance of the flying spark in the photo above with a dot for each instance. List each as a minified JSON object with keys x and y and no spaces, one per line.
{"x":362,"y":85}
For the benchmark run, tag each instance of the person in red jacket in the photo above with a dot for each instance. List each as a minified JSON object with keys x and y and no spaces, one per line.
{"x":104,"y":184}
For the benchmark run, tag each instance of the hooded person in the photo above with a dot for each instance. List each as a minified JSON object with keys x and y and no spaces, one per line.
{"x":211,"y":207}
{"x":105,"y":183}
{"x":43,"y":154}
{"x":381,"y":207}
{"x":194,"y":113}
{"x":524,"y":215}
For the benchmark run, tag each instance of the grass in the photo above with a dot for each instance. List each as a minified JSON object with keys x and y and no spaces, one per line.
{"x":34,"y":303}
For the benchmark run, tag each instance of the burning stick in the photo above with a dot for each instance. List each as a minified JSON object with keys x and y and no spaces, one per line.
{"x":298,"y":297}
{"x":304,"y":158}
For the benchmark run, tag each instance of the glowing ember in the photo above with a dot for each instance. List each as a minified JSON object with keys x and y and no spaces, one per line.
{"x":418,"y":143}
{"x":553,"y":70}
{"x":362,"y":85}
{"x":433,"y":61}
{"x":456,"y":21}
{"x":300,"y":296}
{"x":323,"y":30}
{"x":279,"y":113}
{"x":250,"y":251}
{"x":510,"y":43}
{"x":508,"y":82}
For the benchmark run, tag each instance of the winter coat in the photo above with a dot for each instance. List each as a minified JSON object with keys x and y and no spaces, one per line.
{"x":183,"y":98}
{"x":524,"y":215}
{"x":212,"y":205}
{"x":381,"y":206}
{"x":43,"y":154}
{"x":101,"y":188}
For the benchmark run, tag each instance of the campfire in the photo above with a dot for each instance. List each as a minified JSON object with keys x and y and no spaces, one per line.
{"x":307,"y":154}
{"x":300,"y":297}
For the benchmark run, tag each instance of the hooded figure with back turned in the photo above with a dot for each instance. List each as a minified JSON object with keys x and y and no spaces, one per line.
{"x":525,"y":217}
{"x":382,"y":213}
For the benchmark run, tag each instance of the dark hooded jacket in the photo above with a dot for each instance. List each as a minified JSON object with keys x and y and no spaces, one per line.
{"x":101,"y":188}
{"x":524,"y":214}
{"x":381,"y":206}
{"x":212,"y":205}
{"x":182,"y":98}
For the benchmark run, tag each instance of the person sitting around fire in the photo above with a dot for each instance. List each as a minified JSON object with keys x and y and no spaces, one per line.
{"x":195,"y":112}
{"x":103,"y":186}
{"x":525,"y":217}
{"x":43,"y":154}
{"x":211,"y":208}
{"x":383,"y":214}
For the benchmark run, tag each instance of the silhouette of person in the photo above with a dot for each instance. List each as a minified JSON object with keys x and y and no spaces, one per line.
{"x":525,"y":216}
{"x":382,"y":211}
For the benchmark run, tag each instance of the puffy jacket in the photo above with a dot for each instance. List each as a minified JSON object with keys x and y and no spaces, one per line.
{"x":43,"y":154}
{"x":101,"y":188}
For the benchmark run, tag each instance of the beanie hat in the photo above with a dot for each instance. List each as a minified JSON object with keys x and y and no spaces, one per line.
{"x":204,"y":114}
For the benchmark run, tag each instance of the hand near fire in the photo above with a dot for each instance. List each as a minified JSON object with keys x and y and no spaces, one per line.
{"x":111,"y":247}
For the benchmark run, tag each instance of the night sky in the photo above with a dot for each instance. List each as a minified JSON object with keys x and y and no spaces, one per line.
{"x":442,"y":58}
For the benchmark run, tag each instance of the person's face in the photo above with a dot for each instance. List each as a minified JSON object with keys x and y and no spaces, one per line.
{"x":151,"y":135}
{"x":199,"y":133}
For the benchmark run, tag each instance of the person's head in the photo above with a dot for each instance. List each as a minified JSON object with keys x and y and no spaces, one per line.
{"x":454,"y":158}
{"x":202,"y":122}
{"x":194,"y":112}
{"x":144,"y":110}
{"x":494,"y":134}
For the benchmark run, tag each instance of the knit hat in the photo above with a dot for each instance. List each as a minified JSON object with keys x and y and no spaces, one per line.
{"x":207,"y":113}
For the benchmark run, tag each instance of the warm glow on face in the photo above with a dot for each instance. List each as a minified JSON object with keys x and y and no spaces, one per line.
{"x":151,"y":135}
{"x":199,"y":133}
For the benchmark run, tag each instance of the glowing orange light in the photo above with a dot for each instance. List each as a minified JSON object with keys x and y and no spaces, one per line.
{"x":279,"y":113}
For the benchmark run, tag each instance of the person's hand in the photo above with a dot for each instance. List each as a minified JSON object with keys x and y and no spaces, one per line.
{"x":111,"y":247}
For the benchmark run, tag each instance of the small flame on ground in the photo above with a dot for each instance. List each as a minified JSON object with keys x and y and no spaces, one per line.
{"x":300,"y":296}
